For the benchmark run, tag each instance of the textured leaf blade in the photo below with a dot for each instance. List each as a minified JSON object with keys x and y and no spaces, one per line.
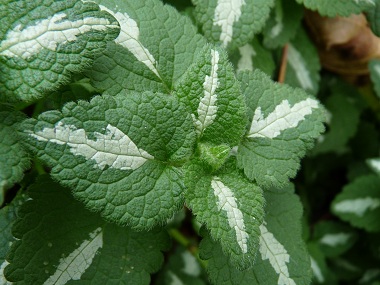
{"x":210,"y":89}
{"x":284,"y":123}
{"x":118,"y":154}
{"x":282,"y":25}
{"x":339,"y":7}
{"x":13,"y":158}
{"x":231,"y":208}
{"x":83,"y":249}
{"x":135,"y":61}
{"x":231,"y":23}
{"x":359,"y":203}
{"x":45,"y":42}
{"x":282,"y":257}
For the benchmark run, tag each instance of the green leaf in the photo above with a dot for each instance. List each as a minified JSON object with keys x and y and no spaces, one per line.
{"x":44,"y":42}
{"x":374,"y":68}
{"x":373,"y":17}
{"x":321,"y":271}
{"x":211,"y":90}
{"x":338,"y":7}
{"x":283,"y":23}
{"x":374,"y":164}
{"x":359,"y":203}
{"x":182,"y":269}
{"x":82,"y":249}
{"x":7,"y":217}
{"x":284,"y":123}
{"x":334,"y":238}
{"x":230,"y":206}
{"x":252,"y":56}
{"x":13,"y":158}
{"x":303,"y":63}
{"x":282,"y":257}
{"x":119,"y":154}
{"x":344,"y":116}
{"x":233,"y":23}
{"x":155,"y":47}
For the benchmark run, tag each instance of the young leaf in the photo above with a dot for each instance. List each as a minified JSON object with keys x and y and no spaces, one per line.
{"x":282,"y":26}
{"x":44,"y":42}
{"x":233,"y":23}
{"x":338,"y":7}
{"x":359,"y":203}
{"x":83,"y":248}
{"x":13,"y":158}
{"x":154,"y":48}
{"x":230,"y":206}
{"x":118,"y":154}
{"x":284,"y":122}
{"x":282,"y":257}
{"x":373,"y":18}
{"x":303,"y":63}
{"x":211,"y":90}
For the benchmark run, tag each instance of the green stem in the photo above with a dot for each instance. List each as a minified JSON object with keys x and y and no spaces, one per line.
{"x":184,"y":241}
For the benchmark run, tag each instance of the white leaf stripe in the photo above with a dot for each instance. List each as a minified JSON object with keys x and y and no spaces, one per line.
{"x":76,"y":263}
{"x":283,"y":117}
{"x":114,"y":148}
{"x":275,"y":252}
{"x":357,"y":206}
{"x":129,"y":38}
{"x":48,"y":33}
{"x":208,"y":108}
{"x":227,"y":202}
{"x":335,"y":239}
{"x":298,"y":64}
{"x":3,"y":281}
{"x":227,"y":12}
{"x":245,"y":62}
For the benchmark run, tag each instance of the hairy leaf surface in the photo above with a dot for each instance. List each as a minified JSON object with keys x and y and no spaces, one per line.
{"x":283,"y":124}
{"x":45,"y":41}
{"x":282,"y":257}
{"x":154,"y":48}
{"x":118,"y":154}
{"x":83,"y":249}
{"x":231,"y":208}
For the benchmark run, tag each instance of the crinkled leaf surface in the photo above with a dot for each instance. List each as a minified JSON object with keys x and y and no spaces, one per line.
{"x":45,"y":41}
{"x":232,"y":23}
{"x":283,"y":124}
{"x":13,"y":158}
{"x":251,"y":56}
{"x":154,"y":48}
{"x":359,"y":203}
{"x":303,"y":63}
{"x":282,"y":257}
{"x":334,"y":238}
{"x":282,"y":25}
{"x":118,"y":154}
{"x":338,"y":7}
{"x":230,"y":206}
{"x":211,"y":90}
{"x":181,"y":269}
{"x":60,"y":242}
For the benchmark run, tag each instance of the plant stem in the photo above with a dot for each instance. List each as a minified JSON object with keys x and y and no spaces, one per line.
{"x":284,"y":62}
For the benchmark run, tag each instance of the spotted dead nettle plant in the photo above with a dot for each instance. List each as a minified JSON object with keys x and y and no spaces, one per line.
{"x":136,"y":117}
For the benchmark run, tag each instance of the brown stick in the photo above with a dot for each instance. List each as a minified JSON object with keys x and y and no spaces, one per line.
{"x":284,"y":61}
